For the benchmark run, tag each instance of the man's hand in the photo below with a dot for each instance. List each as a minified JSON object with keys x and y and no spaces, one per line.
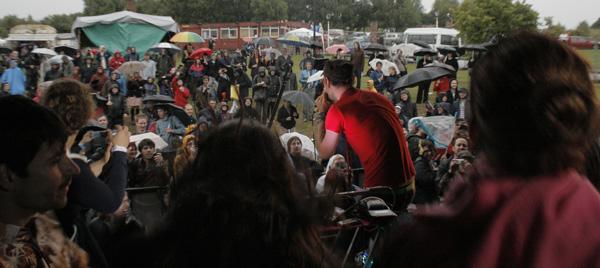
{"x":122,"y":136}
{"x":158,"y":159}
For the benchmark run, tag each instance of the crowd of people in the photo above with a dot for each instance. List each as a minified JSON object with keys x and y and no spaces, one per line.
{"x":515,"y":188}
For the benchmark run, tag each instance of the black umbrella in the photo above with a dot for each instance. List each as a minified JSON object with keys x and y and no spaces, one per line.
{"x":421,"y":44}
{"x":441,"y":65}
{"x":375,"y":47}
{"x":69,"y":51}
{"x":158,"y":99}
{"x":421,"y":75}
{"x":5,"y":50}
{"x":176,"y":111}
{"x":474,"y":47}
{"x":425,"y":51}
{"x":264,"y":41}
{"x":446,"y":49}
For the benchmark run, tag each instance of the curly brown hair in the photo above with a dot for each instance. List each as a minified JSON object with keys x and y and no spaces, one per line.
{"x":72,"y":101}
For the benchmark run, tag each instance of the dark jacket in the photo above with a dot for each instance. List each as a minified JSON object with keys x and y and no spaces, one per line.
{"x":283,"y":114}
{"x":456,"y":109}
{"x":358,"y":60}
{"x":53,"y":74}
{"x":147,"y":173}
{"x":424,"y":182}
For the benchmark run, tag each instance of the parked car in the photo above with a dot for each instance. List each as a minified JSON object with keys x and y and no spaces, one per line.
{"x":580,"y":42}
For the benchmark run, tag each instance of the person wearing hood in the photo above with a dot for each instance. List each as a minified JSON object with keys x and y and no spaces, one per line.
{"x":15,"y":79}
{"x":248,"y":112}
{"x":54,"y":72}
{"x":117,"y":105}
{"x":186,"y":155}
{"x":261,"y":84}
{"x":116,"y":61}
{"x":408,"y":108}
{"x":462,"y":106}
{"x":66,"y":66}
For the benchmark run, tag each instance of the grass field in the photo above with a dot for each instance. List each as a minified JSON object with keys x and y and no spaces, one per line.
{"x":306,"y":128}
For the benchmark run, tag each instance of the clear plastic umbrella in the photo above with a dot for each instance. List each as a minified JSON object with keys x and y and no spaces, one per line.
{"x":308,"y":147}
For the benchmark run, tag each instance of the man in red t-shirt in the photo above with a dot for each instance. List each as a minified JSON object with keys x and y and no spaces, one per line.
{"x":180,"y":92}
{"x":371,"y":127}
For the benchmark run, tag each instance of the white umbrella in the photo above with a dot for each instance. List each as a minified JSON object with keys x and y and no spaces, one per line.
{"x":304,"y":33}
{"x":165,"y":45}
{"x":308,"y":147}
{"x":268,"y":51}
{"x":159,"y":143}
{"x":58,"y":59}
{"x":44,"y":51}
{"x":386,"y":65}
{"x":315,"y":77}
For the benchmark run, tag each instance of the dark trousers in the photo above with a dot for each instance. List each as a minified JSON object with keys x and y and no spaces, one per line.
{"x":423,"y":93}
{"x":357,"y":74}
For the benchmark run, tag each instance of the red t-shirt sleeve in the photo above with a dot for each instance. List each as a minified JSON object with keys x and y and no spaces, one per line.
{"x":334,"y":120}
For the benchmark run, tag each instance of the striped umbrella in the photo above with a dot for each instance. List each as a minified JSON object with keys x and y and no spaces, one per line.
{"x":187,"y":37}
{"x":292,"y":40}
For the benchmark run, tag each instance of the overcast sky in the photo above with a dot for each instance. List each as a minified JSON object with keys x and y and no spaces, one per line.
{"x":569,"y":13}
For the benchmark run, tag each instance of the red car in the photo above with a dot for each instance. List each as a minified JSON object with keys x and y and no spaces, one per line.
{"x":579,"y":42}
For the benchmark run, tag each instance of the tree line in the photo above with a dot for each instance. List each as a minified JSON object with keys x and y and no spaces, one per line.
{"x":477,"y":20}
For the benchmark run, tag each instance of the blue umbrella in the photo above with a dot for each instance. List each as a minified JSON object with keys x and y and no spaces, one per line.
{"x":294,"y":41}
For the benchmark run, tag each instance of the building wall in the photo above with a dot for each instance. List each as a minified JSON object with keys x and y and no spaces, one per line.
{"x":230,"y":36}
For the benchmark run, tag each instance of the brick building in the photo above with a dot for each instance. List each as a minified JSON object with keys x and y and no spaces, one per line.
{"x":232,"y":35}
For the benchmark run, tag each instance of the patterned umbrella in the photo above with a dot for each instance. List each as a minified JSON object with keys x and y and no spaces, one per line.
{"x":187,"y":37}
{"x":334,"y":48}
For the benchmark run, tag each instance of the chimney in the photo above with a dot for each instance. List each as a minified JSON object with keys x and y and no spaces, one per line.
{"x":130,"y":5}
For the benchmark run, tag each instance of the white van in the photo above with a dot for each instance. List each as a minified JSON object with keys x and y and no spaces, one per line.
{"x":433,"y":36}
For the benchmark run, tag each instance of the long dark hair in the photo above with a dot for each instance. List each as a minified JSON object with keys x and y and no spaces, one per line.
{"x":237,"y":205}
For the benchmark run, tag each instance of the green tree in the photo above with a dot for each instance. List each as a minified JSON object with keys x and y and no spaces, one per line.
{"x":9,"y":21}
{"x":61,"y":22}
{"x":552,"y":29}
{"x":265,"y":10}
{"x":445,"y":11}
{"x":99,"y":7}
{"x":582,"y":29}
{"x":479,"y":20}
{"x":596,"y":24}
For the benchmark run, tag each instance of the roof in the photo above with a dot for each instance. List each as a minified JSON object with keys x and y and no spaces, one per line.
{"x":164,"y":22}
{"x":31,"y":37}
{"x":444,"y":31}
{"x":32,"y":29}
